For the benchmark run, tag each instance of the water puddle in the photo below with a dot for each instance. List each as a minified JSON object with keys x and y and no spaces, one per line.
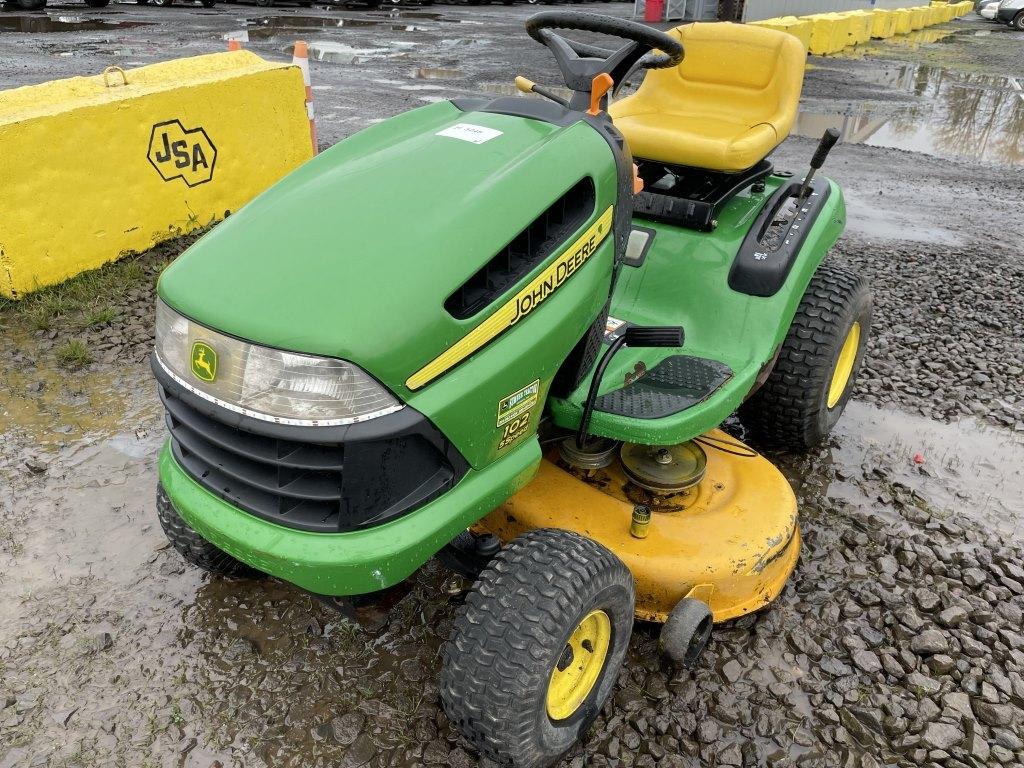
{"x":340,"y":53}
{"x":965,"y":468}
{"x":63,"y":23}
{"x":976,"y":116}
{"x":436,"y":73}
{"x":269,"y":27}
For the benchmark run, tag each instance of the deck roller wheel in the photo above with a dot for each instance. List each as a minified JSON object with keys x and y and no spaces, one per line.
{"x":537,"y":646}
{"x":807,"y":390}
{"x":194,"y":548}
{"x":685,"y":634}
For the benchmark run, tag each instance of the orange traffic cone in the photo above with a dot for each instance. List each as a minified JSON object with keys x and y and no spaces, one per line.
{"x":300,"y":58}
{"x":234,"y":45}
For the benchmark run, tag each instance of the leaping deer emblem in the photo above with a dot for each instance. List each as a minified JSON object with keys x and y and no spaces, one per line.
{"x":202,"y":367}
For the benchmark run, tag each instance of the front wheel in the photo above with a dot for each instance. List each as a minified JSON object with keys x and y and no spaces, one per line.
{"x":537,"y":646}
{"x":807,"y":390}
{"x":194,"y":548}
{"x":1018,"y":22}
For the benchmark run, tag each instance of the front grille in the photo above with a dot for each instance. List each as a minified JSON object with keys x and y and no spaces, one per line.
{"x":325,"y":487}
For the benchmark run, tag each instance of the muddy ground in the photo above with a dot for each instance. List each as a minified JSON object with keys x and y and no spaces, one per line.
{"x":899,"y":640}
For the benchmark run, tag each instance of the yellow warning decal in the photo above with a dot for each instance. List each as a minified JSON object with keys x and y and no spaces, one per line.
{"x":520,"y":305}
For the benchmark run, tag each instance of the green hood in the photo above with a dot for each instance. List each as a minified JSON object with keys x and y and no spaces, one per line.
{"x":354,"y":254}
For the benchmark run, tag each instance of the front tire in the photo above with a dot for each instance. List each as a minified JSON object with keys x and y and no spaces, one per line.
{"x":1018,"y":22}
{"x":537,"y":647}
{"x":194,"y":548}
{"x":807,"y":390}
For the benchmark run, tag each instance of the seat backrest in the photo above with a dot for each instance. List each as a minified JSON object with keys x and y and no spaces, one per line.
{"x":733,"y":72}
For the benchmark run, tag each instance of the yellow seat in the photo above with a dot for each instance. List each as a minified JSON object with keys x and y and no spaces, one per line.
{"x":731,"y":101}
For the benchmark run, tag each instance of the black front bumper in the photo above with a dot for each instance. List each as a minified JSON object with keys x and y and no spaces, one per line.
{"x":326,"y":479}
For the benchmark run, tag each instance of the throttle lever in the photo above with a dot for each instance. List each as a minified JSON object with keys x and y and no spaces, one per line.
{"x":828,"y":140}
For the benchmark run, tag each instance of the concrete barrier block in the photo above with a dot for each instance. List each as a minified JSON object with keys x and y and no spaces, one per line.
{"x":918,"y":17}
{"x":904,"y":21}
{"x":96,"y":167}
{"x":791,"y":25}
{"x":829,"y":32}
{"x":860,"y":26}
{"x":883,"y":23}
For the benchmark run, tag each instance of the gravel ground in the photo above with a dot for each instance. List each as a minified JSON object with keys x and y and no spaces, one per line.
{"x":899,"y":641}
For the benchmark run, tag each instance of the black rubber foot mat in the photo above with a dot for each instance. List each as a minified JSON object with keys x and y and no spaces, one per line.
{"x":673,"y":385}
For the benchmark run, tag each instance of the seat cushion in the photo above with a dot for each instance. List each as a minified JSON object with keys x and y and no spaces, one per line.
{"x":730,"y":102}
{"x":699,"y":142}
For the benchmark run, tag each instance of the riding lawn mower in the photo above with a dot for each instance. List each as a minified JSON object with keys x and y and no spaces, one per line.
{"x":506,"y":332}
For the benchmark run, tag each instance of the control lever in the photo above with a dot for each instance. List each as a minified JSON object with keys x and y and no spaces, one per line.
{"x":650,"y":336}
{"x":528,"y":86}
{"x":828,"y":140}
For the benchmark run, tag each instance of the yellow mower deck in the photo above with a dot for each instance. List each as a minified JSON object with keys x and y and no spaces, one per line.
{"x":731,"y":541}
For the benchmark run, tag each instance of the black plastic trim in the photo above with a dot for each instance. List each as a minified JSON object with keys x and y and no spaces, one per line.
{"x":761,"y":268}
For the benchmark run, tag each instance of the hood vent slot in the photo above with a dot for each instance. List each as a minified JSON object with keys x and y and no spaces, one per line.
{"x":527,"y":250}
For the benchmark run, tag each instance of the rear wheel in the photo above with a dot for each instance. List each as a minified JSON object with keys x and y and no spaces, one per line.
{"x":1018,"y":22}
{"x":537,"y":647}
{"x":193,"y":547}
{"x":807,"y":391}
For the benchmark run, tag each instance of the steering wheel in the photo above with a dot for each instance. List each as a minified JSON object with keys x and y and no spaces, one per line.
{"x":581,"y":63}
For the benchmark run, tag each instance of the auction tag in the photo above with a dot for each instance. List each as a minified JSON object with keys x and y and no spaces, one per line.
{"x":474,"y":134}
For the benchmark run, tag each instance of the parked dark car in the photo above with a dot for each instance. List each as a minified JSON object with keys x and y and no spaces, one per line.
{"x":1011,"y":12}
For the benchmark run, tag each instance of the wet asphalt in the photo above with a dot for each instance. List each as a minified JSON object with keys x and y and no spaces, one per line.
{"x":899,"y":641}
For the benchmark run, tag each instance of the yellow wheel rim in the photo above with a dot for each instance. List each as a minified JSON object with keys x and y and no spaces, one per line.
{"x":579,"y":666}
{"x":844,"y":366}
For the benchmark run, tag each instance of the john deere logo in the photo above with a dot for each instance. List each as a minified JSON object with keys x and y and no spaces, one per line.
{"x":204,"y":361}
{"x":182,"y":153}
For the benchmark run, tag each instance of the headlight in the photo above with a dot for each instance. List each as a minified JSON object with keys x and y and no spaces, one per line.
{"x":264,"y":383}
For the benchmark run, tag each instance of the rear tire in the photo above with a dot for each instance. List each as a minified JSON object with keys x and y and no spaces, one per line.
{"x":1018,"y":22}
{"x":511,"y":682}
{"x":194,"y":548}
{"x":801,"y":400}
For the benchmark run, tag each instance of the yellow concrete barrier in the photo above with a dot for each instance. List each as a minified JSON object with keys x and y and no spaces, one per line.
{"x":904,"y":21}
{"x":791,"y":25}
{"x":918,"y":17}
{"x":829,"y":32}
{"x":860,"y":26}
{"x":95,"y":167}
{"x":883,"y":23}
{"x":799,"y":28}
